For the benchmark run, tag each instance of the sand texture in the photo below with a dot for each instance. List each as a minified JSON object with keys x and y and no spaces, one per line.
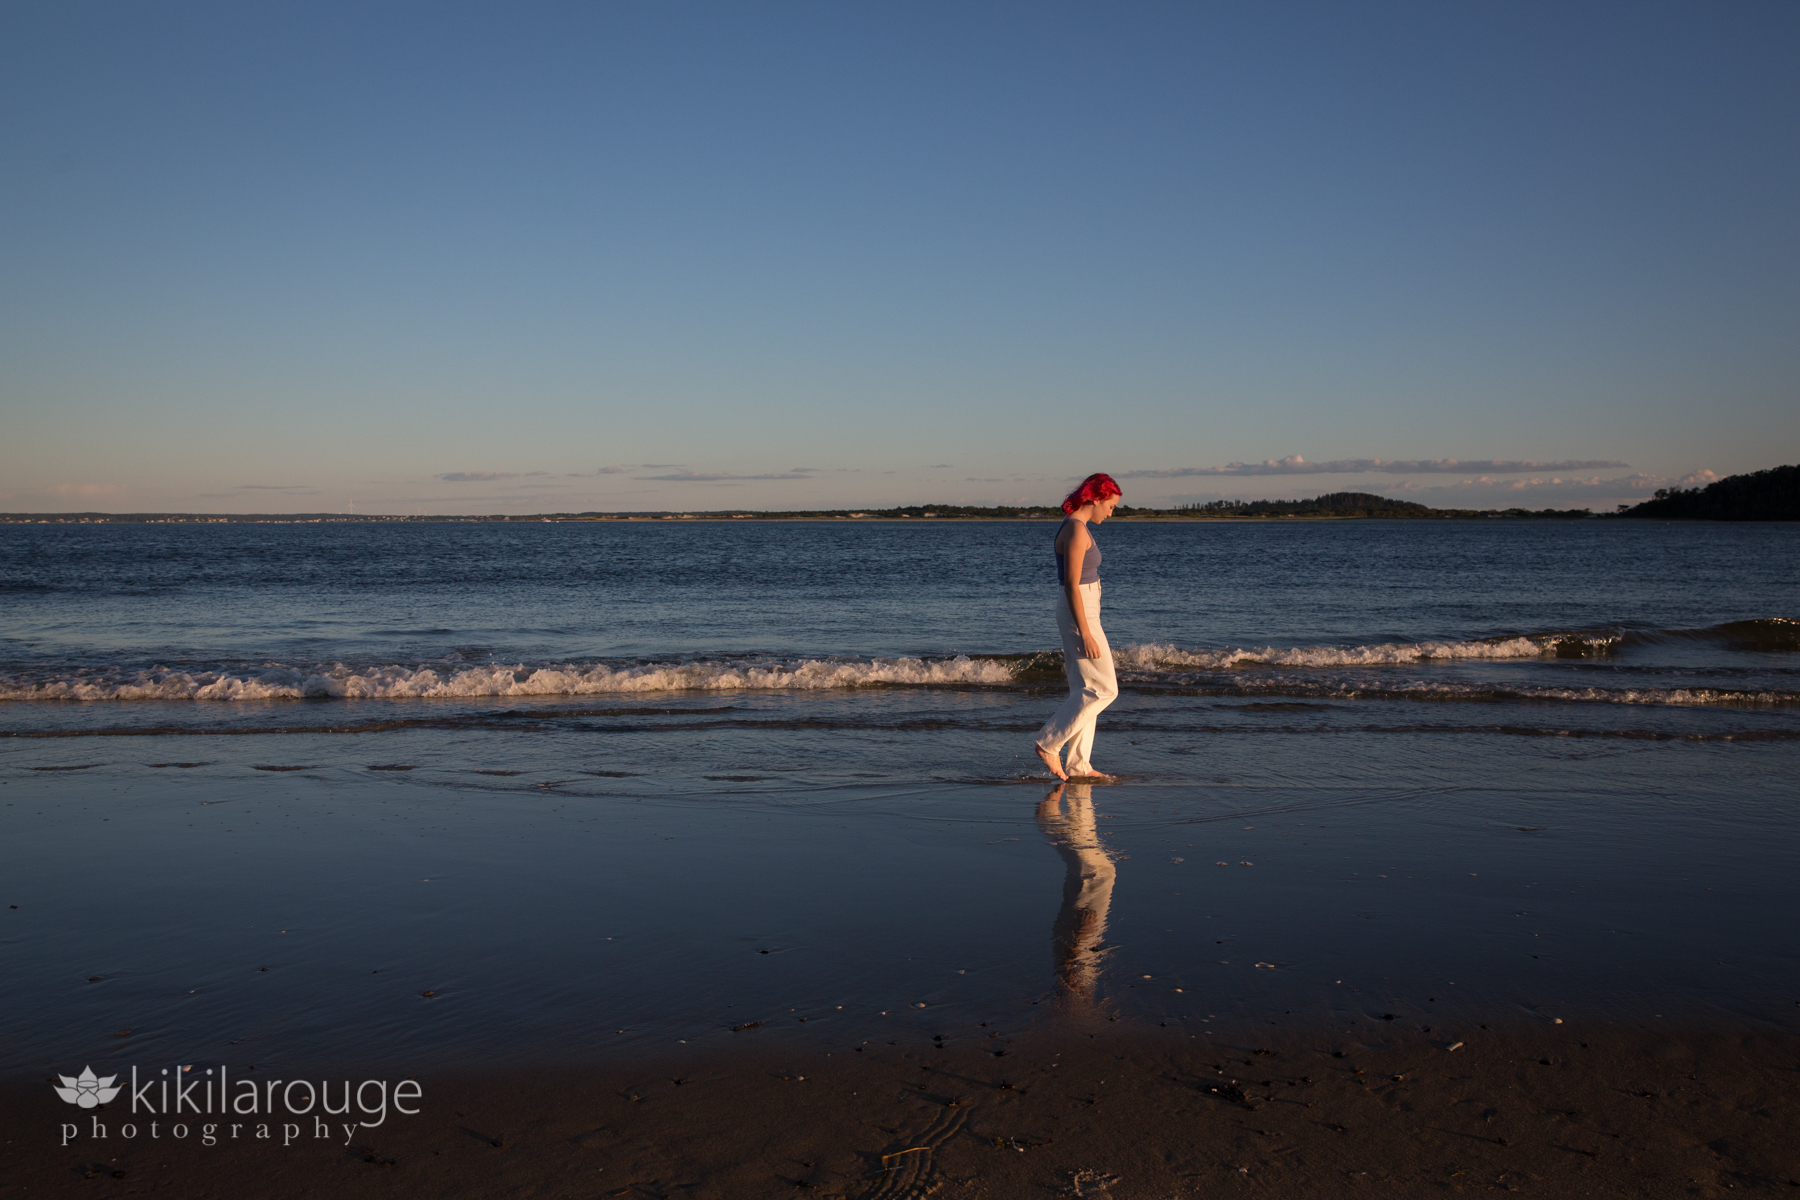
{"x":1545,"y":1110}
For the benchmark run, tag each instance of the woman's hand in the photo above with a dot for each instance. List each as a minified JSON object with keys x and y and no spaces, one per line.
{"x":1090,"y":645}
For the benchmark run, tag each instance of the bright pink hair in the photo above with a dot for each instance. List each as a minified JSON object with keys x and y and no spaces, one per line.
{"x":1097,"y":486}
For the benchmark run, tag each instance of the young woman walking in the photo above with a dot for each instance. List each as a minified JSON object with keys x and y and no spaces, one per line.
{"x":1086,"y":657}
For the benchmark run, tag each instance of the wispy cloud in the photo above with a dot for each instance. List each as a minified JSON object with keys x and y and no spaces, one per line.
{"x":292,"y":489}
{"x":1296,"y":465}
{"x":487,"y":476}
{"x":1621,"y":486}
{"x":1544,"y":491}
{"x":685,"y":476}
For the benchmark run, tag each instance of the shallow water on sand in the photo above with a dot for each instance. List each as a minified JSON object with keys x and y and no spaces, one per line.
{"x":247,"y":915}
{"x":1426,"y":772}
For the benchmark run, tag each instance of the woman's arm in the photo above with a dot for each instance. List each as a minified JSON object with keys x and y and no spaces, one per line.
{"x":1073,"y":556}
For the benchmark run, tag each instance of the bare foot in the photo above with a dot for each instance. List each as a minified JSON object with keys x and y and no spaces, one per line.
{"x":1088,"y":772}
{"x":1051,"y":761}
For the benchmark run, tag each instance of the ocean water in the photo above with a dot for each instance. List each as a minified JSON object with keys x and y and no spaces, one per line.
{"x":472,"y":792}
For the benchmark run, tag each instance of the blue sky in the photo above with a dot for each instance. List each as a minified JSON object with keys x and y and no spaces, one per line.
{"x":535,"y":257}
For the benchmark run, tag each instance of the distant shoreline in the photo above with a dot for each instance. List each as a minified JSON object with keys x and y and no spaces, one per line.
{"x":815,"y":517}
{"x":819,"y":518}
{"x":1763,"y":495}
{"x":1771,"y":495}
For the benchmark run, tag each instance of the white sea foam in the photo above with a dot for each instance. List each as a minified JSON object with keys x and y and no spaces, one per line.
{"x":1142,"y":662}
{"x":396,"y":682}
{"x":1154,"y":657}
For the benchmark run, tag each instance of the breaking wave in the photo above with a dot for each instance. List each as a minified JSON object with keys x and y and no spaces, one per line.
{"x":1562,"y":645}
{"x":338,"y":682}
{"x":1149,"y":663}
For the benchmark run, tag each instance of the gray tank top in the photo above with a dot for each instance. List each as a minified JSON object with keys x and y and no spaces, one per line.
{"x":1090,"y":562}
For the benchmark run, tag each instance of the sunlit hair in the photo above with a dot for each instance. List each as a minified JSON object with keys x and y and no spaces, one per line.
{"x":1097,"y":486}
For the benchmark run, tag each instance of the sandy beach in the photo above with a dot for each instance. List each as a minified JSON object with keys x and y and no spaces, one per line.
{"x":1069,"y":1109}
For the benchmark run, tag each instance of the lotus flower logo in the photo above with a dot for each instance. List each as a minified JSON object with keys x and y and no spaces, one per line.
{"x":87,"y":1090}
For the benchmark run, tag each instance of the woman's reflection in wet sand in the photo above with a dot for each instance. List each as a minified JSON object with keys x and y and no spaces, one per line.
{"x":1087,"y":892}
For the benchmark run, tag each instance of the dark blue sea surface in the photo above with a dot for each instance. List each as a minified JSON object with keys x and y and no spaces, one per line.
{"x":597,"y":787}
{"x":1586,"y":613}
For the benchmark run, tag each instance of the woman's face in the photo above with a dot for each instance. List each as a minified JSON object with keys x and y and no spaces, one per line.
{"x":1104,"y":508}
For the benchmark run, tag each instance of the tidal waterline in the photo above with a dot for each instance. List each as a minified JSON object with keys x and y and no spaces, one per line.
{"x":400,"y":917}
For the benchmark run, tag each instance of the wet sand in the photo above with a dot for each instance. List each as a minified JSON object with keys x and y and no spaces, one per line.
{"x":1146,"y":990}
{"x":1075,"y":1108}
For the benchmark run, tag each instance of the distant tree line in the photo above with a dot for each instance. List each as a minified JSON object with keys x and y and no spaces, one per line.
{"x":1771,"y":495}
{"x":1362,"y":504}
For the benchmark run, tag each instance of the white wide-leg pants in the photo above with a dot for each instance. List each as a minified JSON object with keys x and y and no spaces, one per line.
{"x":1092,"y":685}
